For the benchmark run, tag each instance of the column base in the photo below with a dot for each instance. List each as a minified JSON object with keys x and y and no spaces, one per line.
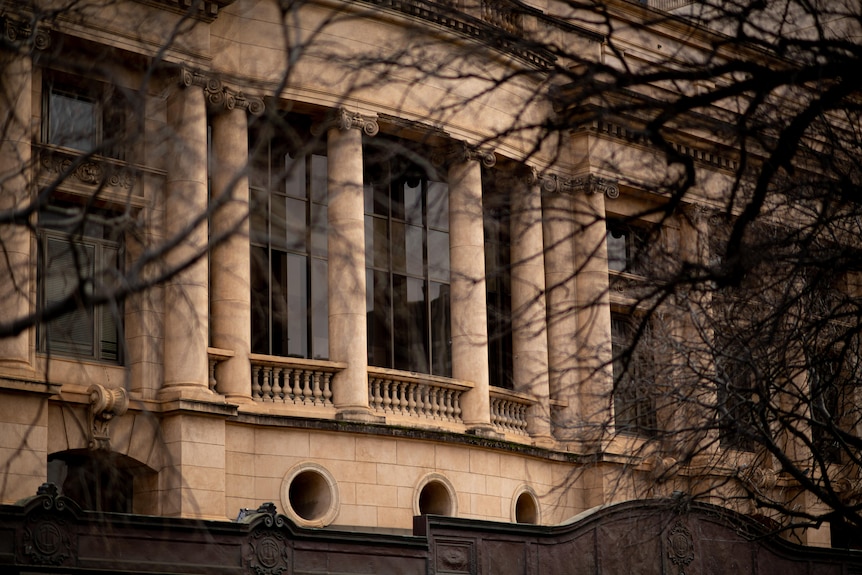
{"x":194,"y":392}
{"x":359,"y":415}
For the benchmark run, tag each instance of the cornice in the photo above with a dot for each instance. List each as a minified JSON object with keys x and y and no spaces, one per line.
{"x":204,"y":10}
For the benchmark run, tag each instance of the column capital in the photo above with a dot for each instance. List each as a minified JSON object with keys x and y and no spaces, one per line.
{"x":589,"y":184}
{"x":462,"y":152}
{"x":220,"y":97}
{"x":17,"y":32}
{"x":346,"y":120}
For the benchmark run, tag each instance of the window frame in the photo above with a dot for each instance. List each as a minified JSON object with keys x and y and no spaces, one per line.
{"x":98,"y":316}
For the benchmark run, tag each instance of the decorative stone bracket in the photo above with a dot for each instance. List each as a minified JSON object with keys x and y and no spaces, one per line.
{"x":105,"y":404}
{"x":218,"y":96}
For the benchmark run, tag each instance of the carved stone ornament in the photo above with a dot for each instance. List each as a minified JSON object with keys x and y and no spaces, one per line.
{"x":345,"y":120}
{"x":455,"y":558}
{"x":89,"y":172}
{"x":591,"y":184}
{"x":218,"y":96}
{"x":461,"y":152}
{"x":266,"y":551}
{"x":45,"y":538}
{"x":105,"y":404}
{"x":22,"y":32}
{"x":680,"y":547}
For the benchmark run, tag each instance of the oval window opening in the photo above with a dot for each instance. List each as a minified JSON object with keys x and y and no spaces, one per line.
{"x":526,"y":510}
{"x":434,"y":499}
{"x":310,"y":495}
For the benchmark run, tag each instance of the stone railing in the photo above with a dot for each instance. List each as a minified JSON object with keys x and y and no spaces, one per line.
{"x":293,"y":381}
{"x":509,"y":410}
{"x":668,"y":5}
{"x":415,"y":395}
{"x":502,"y":14}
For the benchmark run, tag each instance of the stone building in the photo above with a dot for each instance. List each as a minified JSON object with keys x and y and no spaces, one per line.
{"x":302,"y":253}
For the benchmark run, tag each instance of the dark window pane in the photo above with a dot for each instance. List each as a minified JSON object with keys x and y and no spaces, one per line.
{"x":441,"y":336}
{"x":438,"y":255}
{"x":319,"y":227}
{"x":411,"y":342}
{"x":379,"y":305}
{"x":297,"y":306}
{"x":261,"y":310}
{"x":413,"y":202}
{"x":320,"y":308}
{"x":438,"y":205}
{"x":295,"y":226}
{"x":319,"y":177}
{"x":73,"y":121}
{"x":617,"y":250}
{"x":294,"y":176}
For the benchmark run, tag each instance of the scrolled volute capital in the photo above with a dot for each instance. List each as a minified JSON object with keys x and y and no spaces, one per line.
{"x":219,"y":97}
{"x":347,"y":120}
{"x":461,"y":152}
{"x":16,"y":32}
{"x":591,"y":184}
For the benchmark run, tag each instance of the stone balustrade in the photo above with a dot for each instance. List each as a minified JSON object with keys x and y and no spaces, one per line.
{"x":509,"y":410}
{"x":415,"y":395}
{"x":292,"y":381}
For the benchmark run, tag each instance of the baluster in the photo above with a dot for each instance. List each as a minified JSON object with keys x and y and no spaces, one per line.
{"x":212,"y":366}
{"x":456,"y":407}
{"x":387,"y":393}
{"x":433,"y":399}
{"x":277,"y":385}
{"x":421,"y":405}
{"x":318,"y":393}
{"x":327,"y":388}
{"x":448,"y":401}
{"x":266,"y":388}
{"x":411,"y":400}
{"x":296,"y":385}
{"x":255,"y":382}
{"x":374,"y":393}
{"x":306,"y":389}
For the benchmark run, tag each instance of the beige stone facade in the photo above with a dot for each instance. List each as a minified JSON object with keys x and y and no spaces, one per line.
{"x":346,"y":369}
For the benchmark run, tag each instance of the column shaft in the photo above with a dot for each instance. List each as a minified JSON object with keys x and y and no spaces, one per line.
{"x":346,"y":244}
{"x":558,"y":227}
{"x":186,"y":298}
{"x":529,"y":328}
{"x":593,"y":339}
{"x":15,"y":160}
{"x":230,"y":259}
{"x":469,"y":312}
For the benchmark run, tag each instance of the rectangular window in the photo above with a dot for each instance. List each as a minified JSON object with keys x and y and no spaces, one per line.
{"x":407,"y":262}
{"x":828,"y":387}
{"x":88,"y":117}
{"x":625,"y":247}
{"x":634,"y":379}
{"x":737,"y":418}
{"x":289,"y":265}
{"x":78,"y":257}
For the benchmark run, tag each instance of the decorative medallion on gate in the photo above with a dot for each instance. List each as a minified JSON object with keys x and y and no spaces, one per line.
{"x":47,"y":539}
{"x":266,"y":551}
{"x":455,"y":557}
{"x":680,"y":547}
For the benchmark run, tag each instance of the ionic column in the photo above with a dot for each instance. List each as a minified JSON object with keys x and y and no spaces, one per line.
{"x":230,"y":257}
{"x":186,"y":298}
{"x":15,"y":163}
{"x":467,"y":265}
{"x":558,"y":229}
{"x":529,"y":328}
{"x":592,"y":302}
{"x":346,"y":243}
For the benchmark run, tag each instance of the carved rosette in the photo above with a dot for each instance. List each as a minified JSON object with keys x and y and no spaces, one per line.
{"x":680,"y":547}
{"x":105,"y":404}
{"x":455,"y":558}
{"x":220,"y":97}
{"x":345,"y":120}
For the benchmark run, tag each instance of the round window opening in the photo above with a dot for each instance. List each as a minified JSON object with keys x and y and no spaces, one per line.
{"x":435,"y":499}
{"x":526,"y":509}
{"x":310,"y":495}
